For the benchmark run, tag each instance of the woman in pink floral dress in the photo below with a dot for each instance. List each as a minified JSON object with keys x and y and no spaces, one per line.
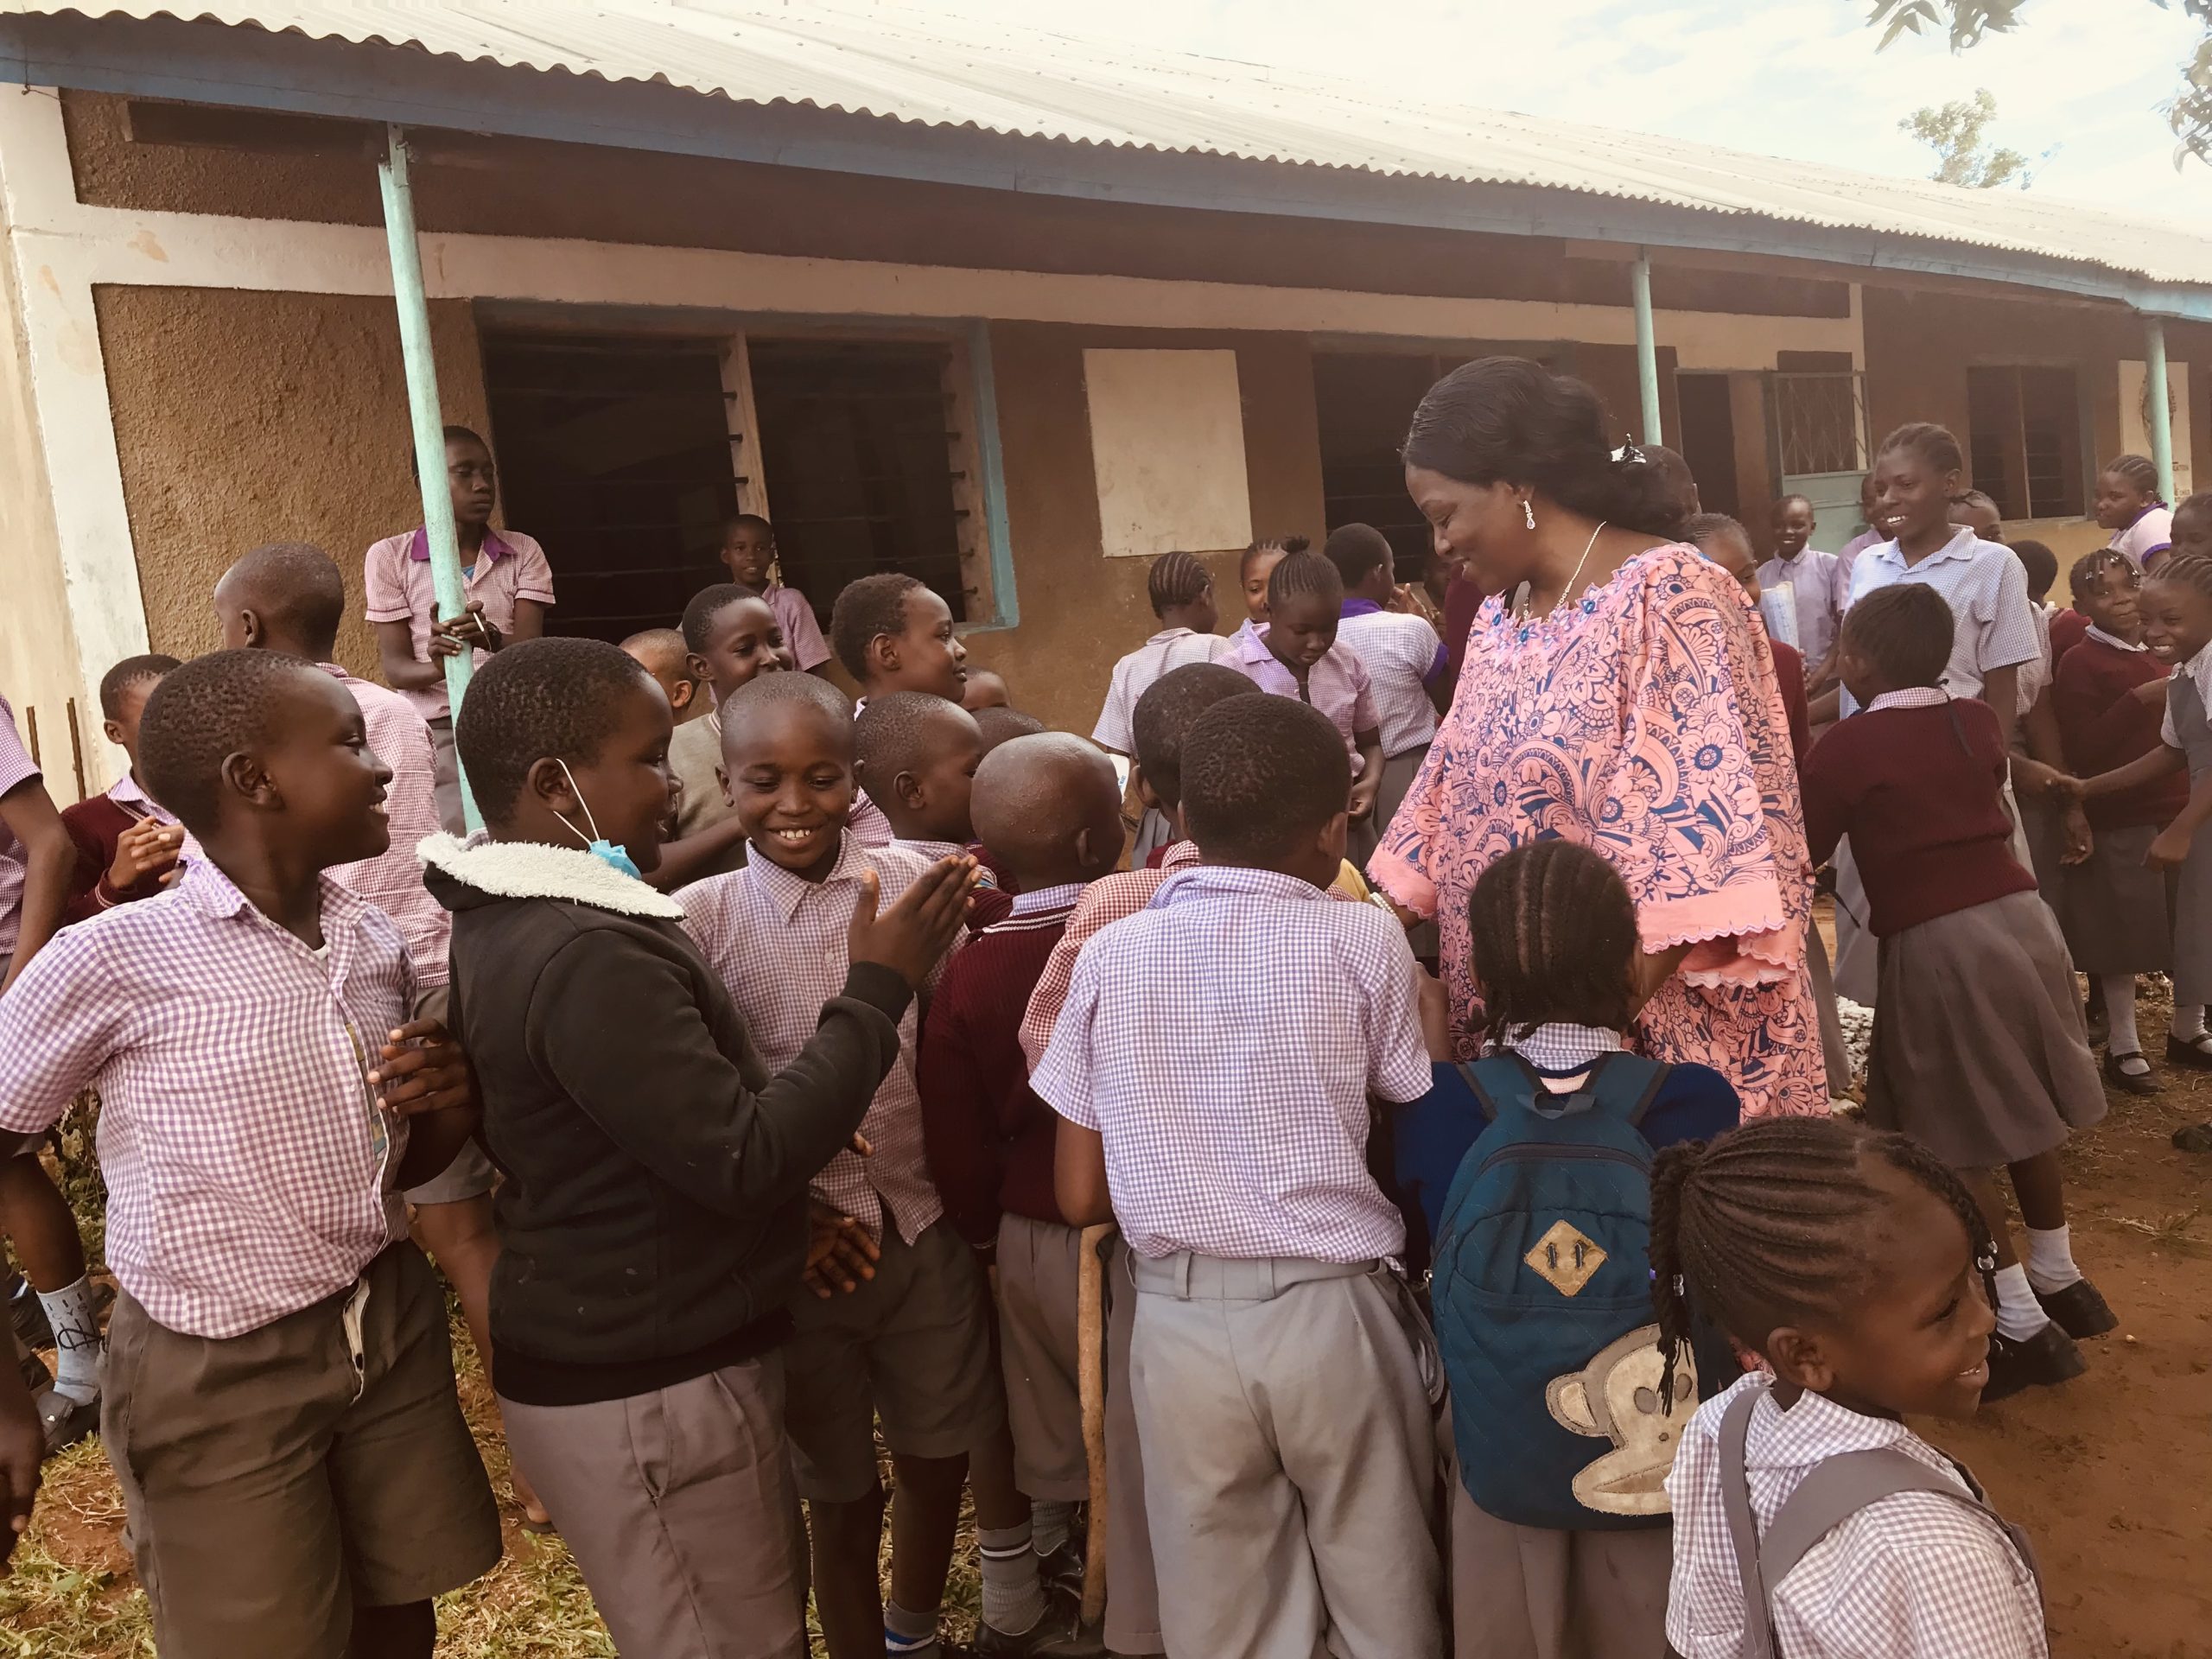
{"x":1626,"y":700}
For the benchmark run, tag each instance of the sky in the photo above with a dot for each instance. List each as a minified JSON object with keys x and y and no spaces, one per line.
{"x":1799,"y":78}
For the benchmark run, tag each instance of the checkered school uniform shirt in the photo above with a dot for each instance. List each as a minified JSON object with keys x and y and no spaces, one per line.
{"x":1107,"y":901}
{"x":1913,"y":1574}
{"x":2198,"y":670}
{"x":1166,"y":651}
{"x":779,"y":942}
{"x":1988,"y":591}
{"x":16,"y":769}
{"x":1337,"y":686}
{"x":1224,"y":1044}
{"x":392,"y":880}
{"x":1400,"y":654}
{"x":248,"y":1164}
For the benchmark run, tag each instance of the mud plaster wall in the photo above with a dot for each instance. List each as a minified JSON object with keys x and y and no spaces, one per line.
{"x":517,"y":188}
{"x":1080,"y":611}
{"x":246,"y":417}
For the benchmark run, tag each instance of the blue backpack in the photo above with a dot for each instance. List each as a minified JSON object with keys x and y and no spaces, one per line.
{"x":1541,"y":1290}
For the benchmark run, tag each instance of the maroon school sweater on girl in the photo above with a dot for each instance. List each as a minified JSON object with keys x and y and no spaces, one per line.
{"x":1790,"y":674}
{"x":989,"y":1139}
{"x":97,"y":825}
{"x":2103,"y":726}
{"x":1923,"y":810}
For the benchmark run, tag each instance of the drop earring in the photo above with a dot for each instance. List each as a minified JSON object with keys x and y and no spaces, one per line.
{"x":1528,"y":512}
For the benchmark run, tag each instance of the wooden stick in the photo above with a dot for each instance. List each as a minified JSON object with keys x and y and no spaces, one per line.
{"x":1090,"y":1377}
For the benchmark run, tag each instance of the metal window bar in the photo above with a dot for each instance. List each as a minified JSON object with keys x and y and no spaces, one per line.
{"x":1817,"y":422}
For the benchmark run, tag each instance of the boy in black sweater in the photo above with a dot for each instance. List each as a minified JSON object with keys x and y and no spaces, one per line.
{"x":654,"y":1213}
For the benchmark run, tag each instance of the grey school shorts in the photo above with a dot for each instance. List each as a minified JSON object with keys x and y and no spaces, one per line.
{"x":910,"y":1347}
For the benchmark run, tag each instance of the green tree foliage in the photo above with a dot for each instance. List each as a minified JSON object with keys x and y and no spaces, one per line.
{"x":1958,"y":133}
{"x":2189,"y":111}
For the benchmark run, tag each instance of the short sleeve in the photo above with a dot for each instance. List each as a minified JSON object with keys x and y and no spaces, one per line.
{"x":2008,"y":632}
{"x":1113,"y":730}
{"x":59,"y":1027}
{"x":384,"y":580}
{"x":533,"y":573}
{"x":1364,"y":716}
{"x":706,"y":917}
{"x":1063,"y":1078}
{"x":802,"y":633}
{"x":16,"y":767}
{"x":1397,"y":1061}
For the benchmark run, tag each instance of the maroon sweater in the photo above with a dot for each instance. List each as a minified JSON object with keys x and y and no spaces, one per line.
{"x":1919,"y":793}
{"x":96,"y":825}
{"x":989,"y":1139}
{"x":2104,"y":726}
{"x":1789,"y":673}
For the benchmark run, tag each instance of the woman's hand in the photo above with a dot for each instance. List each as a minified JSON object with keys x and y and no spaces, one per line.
{"x":2171,"y":850}
{"x":1436,"y":1018}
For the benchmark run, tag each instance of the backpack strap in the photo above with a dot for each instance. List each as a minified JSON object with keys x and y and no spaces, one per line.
{"x":1499,"y":1080}
{"x":1621,"y":1077}
{"x":1834,"y":1491}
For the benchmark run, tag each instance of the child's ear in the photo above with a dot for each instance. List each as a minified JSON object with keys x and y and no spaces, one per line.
{"x":547,"y":782}
{"x":1801,"y":1358}
{"x":722,"y":779}
{"x":1145,"y":791}
{"x":686,"y":690}
{"x":244,"y":775}
{"x":113,"y":729}
{"x":1334,"y":836}
{"x":882,"y":654}
{"x":907,"y":786}
{"x":696,"y":666}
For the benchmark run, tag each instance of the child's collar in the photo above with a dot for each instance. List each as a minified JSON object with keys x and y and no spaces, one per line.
{"x":537,"y":869}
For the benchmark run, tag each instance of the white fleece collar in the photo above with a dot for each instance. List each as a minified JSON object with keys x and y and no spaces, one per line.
{"x":533,"y":869}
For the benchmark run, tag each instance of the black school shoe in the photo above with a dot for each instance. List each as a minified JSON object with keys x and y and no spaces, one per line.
{"x":1060,"y":1634}
{"x":2080,"y":1310}
{"x":28,"y":1314}
{"x":2187,"y":1054}
{"x":2133,"y":1082}
{"x":1063,"y":1570}
{"x":2047,"y":1358}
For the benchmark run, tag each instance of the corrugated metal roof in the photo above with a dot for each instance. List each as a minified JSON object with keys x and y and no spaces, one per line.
{"x":915,"y":62}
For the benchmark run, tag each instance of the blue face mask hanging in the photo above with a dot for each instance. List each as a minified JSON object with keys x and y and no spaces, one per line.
{"x":615,"y":858}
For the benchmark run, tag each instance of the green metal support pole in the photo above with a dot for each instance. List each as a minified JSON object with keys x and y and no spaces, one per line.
{"x":1647,"y":347}
{"x":427,"y":416}
{"x":2158,"y":412}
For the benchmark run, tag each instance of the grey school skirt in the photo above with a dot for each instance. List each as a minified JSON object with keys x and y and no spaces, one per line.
{"x":1978,"y":1051}
{"x":2119,"y":914}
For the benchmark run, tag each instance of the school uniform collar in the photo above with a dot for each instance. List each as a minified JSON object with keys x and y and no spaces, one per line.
{"x":494,"y":548}
{"x":1252,"y":646}
{"x":1168,"y":635}
{"x":1357,"y":608}
{"x":1962,"y":545}
{"x":1811,"y":1431}
{"x":127,"y":792}
{"x":786,"y":890}
{"x":537,"y":869}
{"x":1911,"y":696}
{"x":1180,"y":856}
{"x":1796,"y":559}
{"x":2114,"y":640}
{"x":214,"y":895}
{"x":1061,"y":898}
{"x":1212,"y":881}
{"x":1561,"y":1048}
{"x":932,"y":850}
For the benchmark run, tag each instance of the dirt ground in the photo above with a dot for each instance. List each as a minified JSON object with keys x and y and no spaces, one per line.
{"x":2112,"y":1474}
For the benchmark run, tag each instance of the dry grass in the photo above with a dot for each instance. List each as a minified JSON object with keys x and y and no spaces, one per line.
{"x":71,"y":1594}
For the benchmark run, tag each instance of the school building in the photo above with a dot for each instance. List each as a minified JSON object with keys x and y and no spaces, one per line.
{"x":1004,"y":308}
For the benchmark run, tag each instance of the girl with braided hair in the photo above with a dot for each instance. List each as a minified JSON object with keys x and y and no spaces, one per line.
{"x":1855,"y":1265}
{"x":2129,"y":506}
{"x":2177,"y":610}
{"x":1181,"y":591}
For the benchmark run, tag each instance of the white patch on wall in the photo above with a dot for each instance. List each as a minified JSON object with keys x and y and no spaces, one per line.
{"x":1167,"y":447}
{"x":2135,"y":417}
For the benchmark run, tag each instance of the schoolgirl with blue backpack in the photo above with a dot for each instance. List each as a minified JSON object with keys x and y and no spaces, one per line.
{"x":1528,"y":1174}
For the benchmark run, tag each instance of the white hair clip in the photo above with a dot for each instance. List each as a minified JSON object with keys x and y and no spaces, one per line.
{"x":1630,"y":455}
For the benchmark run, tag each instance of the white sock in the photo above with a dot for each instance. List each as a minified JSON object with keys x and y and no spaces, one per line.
{"x":76,"y":1341}
{"x":2018,"y":1314}
{"x":2120,"y":1010}
{"x":1052,"y":1521}
{"x":2188,"y":1023}
{"x":2050,"y":1260}
{"x":1014,"y":1594}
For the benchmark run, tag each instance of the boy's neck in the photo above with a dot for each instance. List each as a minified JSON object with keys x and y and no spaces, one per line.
{"x":306,"y":649}
{"x":1178,"y":616}
{"x":814,"y":874}
{"x":1050,"y":876}
{"x":470,"y":539}
{"x":936,"y":834}
{"x":286,"y":889}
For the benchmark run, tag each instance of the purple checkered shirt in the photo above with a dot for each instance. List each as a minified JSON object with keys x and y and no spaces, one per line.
{"x":1337,"y":685}
{"x":248,"y":1164}
{"x":16,"y":769}
{"x":779,"y":942}
{"x":1911,"y":1574}
{"x":1223,"y":1042}
{"x":392,"y":880}
{"x":1400,"y":654}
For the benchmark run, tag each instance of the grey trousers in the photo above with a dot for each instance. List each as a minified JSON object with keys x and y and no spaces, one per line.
{"x":680,"y":1509}
{"x":1526,"y":1592}
{"x":1290,"y":1460}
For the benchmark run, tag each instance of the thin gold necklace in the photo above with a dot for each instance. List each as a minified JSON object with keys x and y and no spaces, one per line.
{"x":1569,"y":588}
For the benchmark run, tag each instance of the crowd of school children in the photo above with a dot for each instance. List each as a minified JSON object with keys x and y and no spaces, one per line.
{"x":788,"y":1084}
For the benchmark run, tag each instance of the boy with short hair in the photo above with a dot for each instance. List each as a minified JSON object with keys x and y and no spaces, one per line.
{"x":655,"y":1226}
{"x":1003,"y":725}
{"x":748,"y":552}
{"x":1048,"y":809}
{"x":892,"y":633}
{"x":289,"y":597}
{"x":907,"y":1343}
{"x":1406,"y":663}
{"x":507,"y":586}
{"x":37,"y":858}
{"x":915,"y":756}
{"x":281,"y":1411}
{"x":1808,"y":575}
{"x":1164,"y":715}
{"x":730,"y":634}
{"x":985,"y":690}
{"x":662,"y":653}
{"x":1273,"y":1365}
{"x":126,"y":841}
